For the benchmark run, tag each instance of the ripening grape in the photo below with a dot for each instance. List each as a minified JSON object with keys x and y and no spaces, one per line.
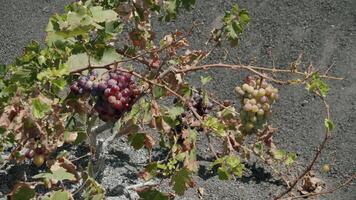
{"x":117,"y":92}
{"x":253,"y":101}
{"x":84,"y":84}
{"x":254,"y":93}
{"x":263,"y":99}
{"x":261,"y":92}
{"x":256,"y":96}
{"x":260,"y":112}
{"x":38,"y":160}
{"x":254,"y":108}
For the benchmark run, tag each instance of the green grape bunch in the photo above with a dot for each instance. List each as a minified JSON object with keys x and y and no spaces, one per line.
{"x":257,"y":97}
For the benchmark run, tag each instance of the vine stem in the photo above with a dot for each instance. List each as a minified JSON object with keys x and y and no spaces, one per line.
{"x":252,"y":69}
{"x":317,"y":154}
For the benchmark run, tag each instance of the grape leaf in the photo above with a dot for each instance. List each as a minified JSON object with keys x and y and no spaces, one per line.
{"x":153,"y":194}
{"x":59,"y":174}
{"x":78,"y":61}
{"x":137,"y":140}
{"x":279,"y":154}
{"x":60,"y":195}
{"x":101,"y":15}
{"x":291,"y":157}
{"x":39,"y":108}
{"x":235,"y":21}
{"x":109,"y":56}
{"x":22,"y":191}
{"x":158,"y":92}
{"x":316,"y":84}
{"x":214,"y":124}
{"x":329,"y":124}
{"x":175,"y":111}
{"x":223,"y":173}
{"x":205,"y":80}
{"x":171,"y":8}
{"x":181,"y":180}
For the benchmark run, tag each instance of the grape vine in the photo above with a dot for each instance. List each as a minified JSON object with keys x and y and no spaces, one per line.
{"x":88,"y":78}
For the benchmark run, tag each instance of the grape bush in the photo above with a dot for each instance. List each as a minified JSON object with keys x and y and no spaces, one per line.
{"x":102,"y":67}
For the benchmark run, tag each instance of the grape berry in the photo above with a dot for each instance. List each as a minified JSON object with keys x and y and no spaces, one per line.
{"x":84,"y":84}
{"x":116,"y":92}
{"x":257,"y":96}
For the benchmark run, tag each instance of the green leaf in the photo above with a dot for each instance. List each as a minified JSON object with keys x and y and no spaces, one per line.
{"x":214,"y":124}
{"x":109,"y":56}
{"x":98,"y":197}
{"x":171,"y":8}
{"x":59,"y":174}
{"x":258,"y":148}
{"x":58,"y":85}
{"x":158,"y":92}
{"x":228,"y":112}
{"x":232,"y":161}
{"x":205,"y":80}
{"x":329,"y":125}
{"x":39,"y":108}
{"x":78,"y":61}
{"x":101,"y":15}
{"x":137,"y":140}
{"x":60,"y":195}
{"x":235,"y":21}
{"x":76,"y":20}
{"x":80,"y":138}
{"x":187,"y":4}
{"x":181,"y":180}
{"x":223,"y":173}
{"x":291,"y":158}
{"x":62,"y":174}
{"x":173,"y":112}
{"x":23,"y":192}
{"x":279,"y":154}
{"x":316,"y":84}
{"x":153,"y":194}
{"x":218,"y":161}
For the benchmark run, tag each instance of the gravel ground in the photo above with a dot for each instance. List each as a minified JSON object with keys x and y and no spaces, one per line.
{"x":323,"y":30}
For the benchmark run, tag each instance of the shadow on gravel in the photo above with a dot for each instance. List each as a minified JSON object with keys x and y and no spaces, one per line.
{"x":257,"y":174}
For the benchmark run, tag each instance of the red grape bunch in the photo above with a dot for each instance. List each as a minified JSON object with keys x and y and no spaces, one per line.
{"x":117,"y":92}
{"x":257,"y":96}
{"x":84,"y":84}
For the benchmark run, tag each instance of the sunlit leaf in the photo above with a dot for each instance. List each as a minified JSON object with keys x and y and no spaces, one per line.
{"x":279,"y":154}
{"x":205,"y":80}
{"x":39,"y":108}
{"x":214,"y":124}
{"x":101,"y":15}
{"x":316,"y":84}
{"x":291,"y":158}
{"x":329,"y":125}
{"x":60,"y":195}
